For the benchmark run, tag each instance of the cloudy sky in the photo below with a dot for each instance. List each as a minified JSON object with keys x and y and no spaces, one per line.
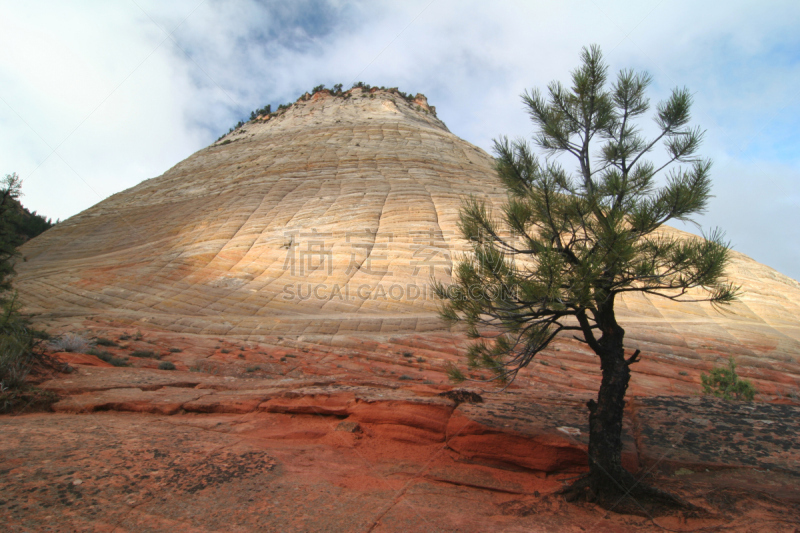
{"x":98,"y":96}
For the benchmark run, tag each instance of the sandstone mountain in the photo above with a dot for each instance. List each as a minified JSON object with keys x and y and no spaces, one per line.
{"x":271,"y":359}
{"x":327,"y":221}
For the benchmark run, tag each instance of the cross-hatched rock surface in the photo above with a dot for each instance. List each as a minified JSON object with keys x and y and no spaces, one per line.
{"x":326,"y":223}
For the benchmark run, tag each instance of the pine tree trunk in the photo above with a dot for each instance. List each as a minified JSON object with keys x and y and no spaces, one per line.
{"x":608,"y":483}
{"x":607,"y":477}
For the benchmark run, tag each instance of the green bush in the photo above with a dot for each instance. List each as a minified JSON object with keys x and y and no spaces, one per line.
{"x":110,"y":358}
{"x":725,"y":383}
{"x":16,"y":346}
{"x":149,"y":354}
{"x":166,"y":365}
{"x":105,"y":342}
{"x":26,"y":399}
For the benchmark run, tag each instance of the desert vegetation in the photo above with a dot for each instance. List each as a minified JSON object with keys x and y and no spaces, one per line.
{"x":266,"y":113}
{"x":725,"y":383}
{"x":20,"y":344}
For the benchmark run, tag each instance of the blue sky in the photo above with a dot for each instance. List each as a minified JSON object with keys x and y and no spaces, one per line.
{"x":98,"y":96}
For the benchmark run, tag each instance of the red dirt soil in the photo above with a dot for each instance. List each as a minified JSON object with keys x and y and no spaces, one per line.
{"x":291,"y":436}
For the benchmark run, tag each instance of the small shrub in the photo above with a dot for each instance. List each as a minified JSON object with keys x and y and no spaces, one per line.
{"x":408,"y":354}
{"x":124,"y":337}
{"x":166,"y":365}
{"x":70,"y":342}
{"x":26,"y":399}
{"x":404,"y":377}
{"x":149,"y":354}
{"x":98,"y":353}
{"x":252,"y":368}
{"x":100,"y":341}
{"x":725,"y":383}
{"x":111,"y":359}
{"x":40,"y":334}
{"x":175,"y":350}
{"x":225,"y":351}
{"x":16,"y":359}
{"x":683,"y":373}
{"x":420,"y":359}
{"x":16,"y":345}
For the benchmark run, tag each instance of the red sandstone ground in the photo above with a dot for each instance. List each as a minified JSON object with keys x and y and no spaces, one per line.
{"x":283,"y":436}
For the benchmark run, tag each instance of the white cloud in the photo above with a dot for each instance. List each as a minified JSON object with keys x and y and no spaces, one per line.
{"x":131,"y":103}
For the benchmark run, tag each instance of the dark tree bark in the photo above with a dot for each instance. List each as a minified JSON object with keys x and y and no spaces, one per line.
{"x":608,"y":482}
{"x":606,"y":474}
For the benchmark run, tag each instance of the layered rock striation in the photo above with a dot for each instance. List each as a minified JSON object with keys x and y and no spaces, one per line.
{"x":328,"y":222}
{"x":329,"y":217}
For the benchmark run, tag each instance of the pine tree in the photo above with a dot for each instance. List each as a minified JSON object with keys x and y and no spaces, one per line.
{"x":569,"y":242}
{"x":10,"y":191}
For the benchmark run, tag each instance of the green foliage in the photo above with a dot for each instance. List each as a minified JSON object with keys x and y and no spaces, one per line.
{"x":568,"y":242}
{"x":26,"y":399}
{"x":100,"y":341}
{"x":10,"y":191}
{"x":166,"y":365}
{"x":455,"y":374}
{"x":266,"y":110}
{"x":17,"y":339}
{"x":112,"y":359}
{"x":336,"y":91}
{"x":723,"y":382}
{"x":149,"y":354}
{"x":108,"y":357}
{"x":98,"y":353}
{"x":16,"y":346}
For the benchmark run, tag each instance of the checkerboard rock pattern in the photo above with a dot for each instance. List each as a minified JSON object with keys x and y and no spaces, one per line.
{"x":328,"y":221}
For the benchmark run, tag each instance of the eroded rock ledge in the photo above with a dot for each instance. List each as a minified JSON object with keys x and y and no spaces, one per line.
{"x":543,"y":433}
